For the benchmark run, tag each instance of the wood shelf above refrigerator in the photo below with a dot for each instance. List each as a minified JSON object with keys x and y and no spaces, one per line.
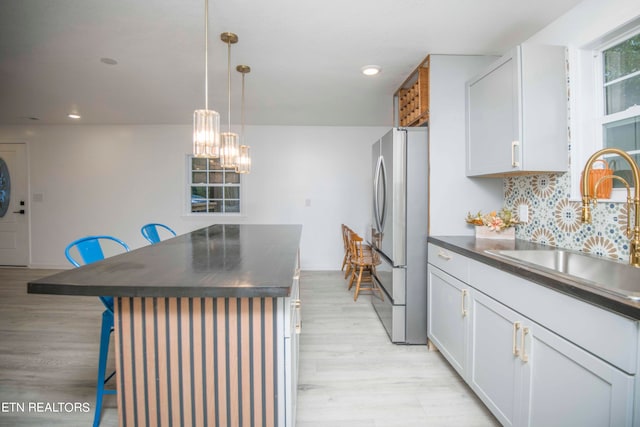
{"x":411,"y":100}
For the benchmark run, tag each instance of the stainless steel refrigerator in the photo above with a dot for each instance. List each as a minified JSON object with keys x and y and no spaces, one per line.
{"x":399,"y":232}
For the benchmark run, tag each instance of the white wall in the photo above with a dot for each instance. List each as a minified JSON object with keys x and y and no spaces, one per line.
{"x":587,"y":21}
{"x":113,"y":179}
{"x":452,"y":194}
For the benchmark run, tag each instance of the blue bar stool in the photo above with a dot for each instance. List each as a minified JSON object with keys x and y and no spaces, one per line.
{"x":90,"y":250}
{"x":150,"y":232}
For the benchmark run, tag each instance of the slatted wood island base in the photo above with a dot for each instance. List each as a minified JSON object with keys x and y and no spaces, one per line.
{"x":212,"y":358}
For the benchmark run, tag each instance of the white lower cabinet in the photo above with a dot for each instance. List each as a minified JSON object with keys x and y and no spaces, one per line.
{"x":447,"y":321}
{"x":494,"y":366}
{"x":564,"y":385}
{"x":526,"y":374}
{"x":289,"y":361}
{"x":529,"y":376}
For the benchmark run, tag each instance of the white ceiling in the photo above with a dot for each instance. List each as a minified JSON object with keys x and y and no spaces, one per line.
{"x":305,"y":55}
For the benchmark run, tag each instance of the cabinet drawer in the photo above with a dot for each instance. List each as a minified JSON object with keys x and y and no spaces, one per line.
{"x":609,"y":336}
{"x":449,"y":262}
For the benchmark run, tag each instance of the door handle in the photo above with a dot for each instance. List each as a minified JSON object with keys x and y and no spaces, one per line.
{"x":523,"y":354}
{"x":514,"y":163}
{"x":464,"y":309}
{"x":516,"y":328}
{"x":21,"y":212}
{"x":296,"y":305}
{"x":383,"y":172}
{"x":376,"y":202}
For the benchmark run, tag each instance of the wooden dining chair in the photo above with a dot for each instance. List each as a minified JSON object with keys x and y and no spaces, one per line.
{"x":151,"y":232}
{"x":86,"y":251}
{"x":346,"y":260}
{"x":363,"y":264}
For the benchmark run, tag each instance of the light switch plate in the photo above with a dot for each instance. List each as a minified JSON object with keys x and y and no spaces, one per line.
{"x":523,"y":213}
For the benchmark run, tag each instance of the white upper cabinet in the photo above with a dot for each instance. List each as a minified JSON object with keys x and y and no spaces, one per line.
{"x":516,"y":117}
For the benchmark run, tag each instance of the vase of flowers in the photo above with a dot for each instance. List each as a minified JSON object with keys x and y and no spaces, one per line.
{"x":494,"y":225}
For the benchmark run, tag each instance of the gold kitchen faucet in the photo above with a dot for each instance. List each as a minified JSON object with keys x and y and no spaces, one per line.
{"x":634,"y":236}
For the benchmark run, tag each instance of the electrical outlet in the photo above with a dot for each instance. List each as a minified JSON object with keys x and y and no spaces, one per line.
{"x":523,"y":213}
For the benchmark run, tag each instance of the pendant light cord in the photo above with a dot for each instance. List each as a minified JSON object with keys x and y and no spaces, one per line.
{"x":206,"y":54}
{"x":242,"y":109}
{"x":229,"y":83}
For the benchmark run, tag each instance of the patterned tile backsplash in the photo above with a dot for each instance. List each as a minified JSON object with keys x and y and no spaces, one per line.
{"x":554,"y":220}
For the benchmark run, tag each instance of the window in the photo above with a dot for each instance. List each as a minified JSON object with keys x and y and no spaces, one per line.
{"x":213,"y":189}
{"x":604,"y":102}
{"x":620,"y":125}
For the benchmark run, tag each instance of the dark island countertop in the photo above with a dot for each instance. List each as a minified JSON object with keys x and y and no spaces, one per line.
{"x":476,"y":249}
{"x":217,"y":261}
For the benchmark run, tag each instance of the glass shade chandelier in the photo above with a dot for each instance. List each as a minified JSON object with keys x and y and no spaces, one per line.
{"x":206,"y":123}
{"x":244,"y":154}
{"x":229,"y":145}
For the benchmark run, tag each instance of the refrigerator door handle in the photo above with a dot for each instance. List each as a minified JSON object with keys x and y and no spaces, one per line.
{"x":376,"y":178}
{"x":380,"y":179}
{"x":383,"y":175}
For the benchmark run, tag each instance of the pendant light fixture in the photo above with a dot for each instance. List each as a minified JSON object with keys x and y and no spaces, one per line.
{"x":244,"y":155}
{"x":229,"y":140}
{"x":206,"y":123}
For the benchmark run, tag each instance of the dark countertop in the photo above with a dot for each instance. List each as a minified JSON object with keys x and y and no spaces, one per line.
{"x":216,"y":261}
{"x":475,"y":249}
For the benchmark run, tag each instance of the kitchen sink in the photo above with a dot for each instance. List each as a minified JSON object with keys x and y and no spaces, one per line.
{"x":608,"y":275}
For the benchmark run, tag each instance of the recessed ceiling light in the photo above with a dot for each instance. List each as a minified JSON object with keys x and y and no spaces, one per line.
{"x":73,"y":116}
{"x":371,"y":70}
{"x":108,"y":61}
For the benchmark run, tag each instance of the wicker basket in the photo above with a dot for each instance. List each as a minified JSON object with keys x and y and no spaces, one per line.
{"x":605,"y":186}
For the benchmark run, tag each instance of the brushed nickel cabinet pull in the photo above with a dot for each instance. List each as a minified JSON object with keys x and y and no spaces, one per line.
{"x":464,"y":309}
{"x":297,"y":304}
{"x":444,"y":255}
{"x":516,"y":327}
{"x":514,"y":162}
{"x":523,"y":355}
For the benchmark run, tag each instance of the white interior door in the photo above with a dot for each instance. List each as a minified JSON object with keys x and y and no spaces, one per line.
{"x":14,"y":226}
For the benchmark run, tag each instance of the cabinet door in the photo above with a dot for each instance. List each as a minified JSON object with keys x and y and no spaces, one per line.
{"x":493,"y":119}
{"x":517,"y":113}
{"x":293,"y":326}
{"x":495,"y":373}
{"x":448,"y":317}
{"x":566,"y":386}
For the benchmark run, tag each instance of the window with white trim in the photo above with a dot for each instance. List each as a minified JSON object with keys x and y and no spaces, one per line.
{"x":212,"y":188}
{"x":619,"y":80}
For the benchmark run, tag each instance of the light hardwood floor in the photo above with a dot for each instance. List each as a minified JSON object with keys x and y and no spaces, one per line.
{"x":48,"y":354}
{"x":350,"y":375}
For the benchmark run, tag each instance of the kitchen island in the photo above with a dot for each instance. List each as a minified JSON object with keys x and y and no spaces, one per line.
{"x":205,"y":325}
